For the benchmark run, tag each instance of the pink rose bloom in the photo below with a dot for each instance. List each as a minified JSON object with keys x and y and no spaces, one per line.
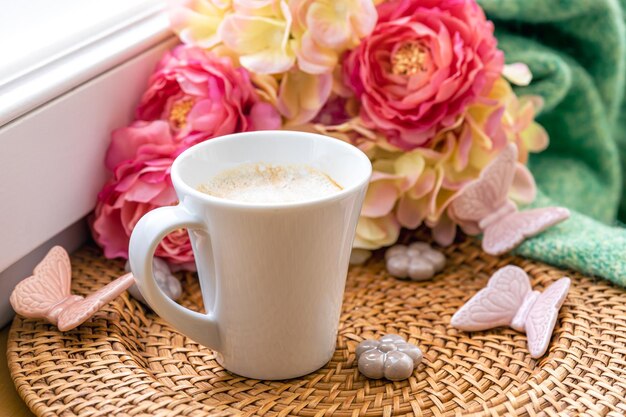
{"x":140,"y":157}
{"x":202,"y":96}
{"x":424,"y":63}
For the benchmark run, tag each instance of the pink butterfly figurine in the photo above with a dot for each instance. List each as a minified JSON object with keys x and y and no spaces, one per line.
{"x":485,"y":205}
{"x":509,"y":300}
{"x":47,"y":294}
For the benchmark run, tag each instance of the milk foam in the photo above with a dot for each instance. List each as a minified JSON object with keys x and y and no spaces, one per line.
{"x":269,"y":183}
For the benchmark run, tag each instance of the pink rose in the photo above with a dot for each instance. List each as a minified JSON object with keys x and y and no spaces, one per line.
{"x":424,"y":63}
{"x":140,"y":157}
{"x":202,"y":95}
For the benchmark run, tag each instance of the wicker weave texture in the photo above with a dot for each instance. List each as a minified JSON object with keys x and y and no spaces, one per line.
{"x":128,"y":362}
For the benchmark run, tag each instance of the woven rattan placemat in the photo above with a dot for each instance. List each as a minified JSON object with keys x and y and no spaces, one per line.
{"x":127,"y":361}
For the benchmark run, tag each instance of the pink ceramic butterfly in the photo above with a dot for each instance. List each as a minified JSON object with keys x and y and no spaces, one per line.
{"x":47,"y":294}
{"x":485,"y":205}
{"x":509,"y":300}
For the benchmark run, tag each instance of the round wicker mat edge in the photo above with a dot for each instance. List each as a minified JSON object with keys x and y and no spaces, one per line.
{"x":126,"y":361}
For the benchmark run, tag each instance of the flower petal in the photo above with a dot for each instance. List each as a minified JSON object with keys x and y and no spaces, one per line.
{"x":376,"y":233}
{"x":302,"y":95}
{"x":196,"y":22}
{"x":270,"y":62}
{"x":329,"y":24}
{"x":380,"y":199}
{"x":262,"y":42}
{"x":313,"y":58}
{"x":517,"y":73}
{"x":535,"y":138}
{"x":444,"y":231}
{"x":411,"y":212}
{"x":251,"y":34}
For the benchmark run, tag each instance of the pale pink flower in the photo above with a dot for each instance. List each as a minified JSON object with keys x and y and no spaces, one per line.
{"x":423,"y":64}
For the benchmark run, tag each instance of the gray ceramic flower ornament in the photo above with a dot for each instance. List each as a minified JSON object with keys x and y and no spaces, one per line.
{"x":164,"y":279}
{"x":418,"y":261}
{"x":391,"y":357}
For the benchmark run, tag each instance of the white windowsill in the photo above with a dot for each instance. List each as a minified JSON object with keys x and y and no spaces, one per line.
{"x":54,"y":46}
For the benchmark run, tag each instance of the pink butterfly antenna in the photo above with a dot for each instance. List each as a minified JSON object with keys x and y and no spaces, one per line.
{"x":46,"y":294}
{"x":509,"y":300}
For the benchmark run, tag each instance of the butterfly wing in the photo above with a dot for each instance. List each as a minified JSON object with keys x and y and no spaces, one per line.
{"x":78,"y":312}
{"x":489,"y":192}
{"x":34,"y":296}
{"x":505,"y":234}
{"x":542,"y":317}
{"x":496,"y":304}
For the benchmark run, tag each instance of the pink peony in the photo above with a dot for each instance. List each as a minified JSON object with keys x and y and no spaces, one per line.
{"x":140,"y":157}
{"x":202,"y":95}
{"x":425,"y":62}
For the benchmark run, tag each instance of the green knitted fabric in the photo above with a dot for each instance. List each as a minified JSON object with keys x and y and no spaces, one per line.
{"x":576,"y":50}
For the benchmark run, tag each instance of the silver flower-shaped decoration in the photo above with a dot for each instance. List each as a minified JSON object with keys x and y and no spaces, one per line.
{"x":391,"y":357}
{"x":164,"y":279}
{"x":418,"y":261}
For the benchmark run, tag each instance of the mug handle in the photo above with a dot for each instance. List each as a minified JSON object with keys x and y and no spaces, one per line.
{"x":145,"y":238}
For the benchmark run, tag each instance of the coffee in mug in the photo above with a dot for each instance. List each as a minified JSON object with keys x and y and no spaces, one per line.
{"x":270,"y":183}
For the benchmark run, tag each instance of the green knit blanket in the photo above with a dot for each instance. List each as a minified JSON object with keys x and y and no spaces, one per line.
{"x":576,"y":50}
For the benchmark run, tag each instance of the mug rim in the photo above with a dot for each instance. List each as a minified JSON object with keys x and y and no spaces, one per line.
{"x":180,"y":184}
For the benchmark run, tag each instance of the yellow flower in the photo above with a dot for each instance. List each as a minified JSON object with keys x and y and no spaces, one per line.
{"x":196,"y":22}
{"x":268,"y":35}
{"x":326,"y":28}
{"x":262,"y":40}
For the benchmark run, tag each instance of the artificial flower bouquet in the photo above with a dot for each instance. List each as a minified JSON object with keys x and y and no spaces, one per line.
{"x":419,"y":85}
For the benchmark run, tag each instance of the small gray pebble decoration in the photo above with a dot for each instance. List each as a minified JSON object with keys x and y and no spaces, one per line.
{"x":391,"y":357}
{"x":164,"y":279}
{"x":418,"y":261}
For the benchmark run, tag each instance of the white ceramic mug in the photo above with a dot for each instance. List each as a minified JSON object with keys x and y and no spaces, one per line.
{"x":272,"y":275}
